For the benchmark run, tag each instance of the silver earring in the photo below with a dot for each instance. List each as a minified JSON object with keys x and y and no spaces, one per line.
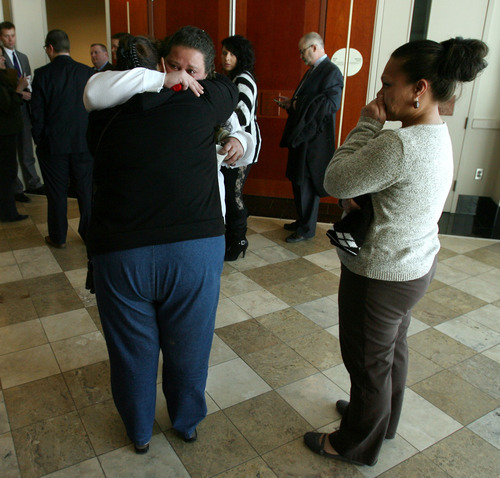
{"x":416,"y":104}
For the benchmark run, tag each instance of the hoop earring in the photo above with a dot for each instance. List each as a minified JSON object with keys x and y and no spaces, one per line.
{"x":416,"y":104}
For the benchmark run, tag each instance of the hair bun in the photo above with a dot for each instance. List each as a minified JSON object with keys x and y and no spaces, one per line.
{"x":462,"y":59}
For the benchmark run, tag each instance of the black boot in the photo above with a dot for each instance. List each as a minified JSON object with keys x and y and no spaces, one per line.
{"x":234,"y":248}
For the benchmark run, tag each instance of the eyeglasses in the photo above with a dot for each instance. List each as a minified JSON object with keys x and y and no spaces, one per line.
{"x":305,"y":49}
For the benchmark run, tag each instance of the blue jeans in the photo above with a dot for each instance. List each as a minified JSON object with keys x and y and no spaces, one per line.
{"x":156,"y":297}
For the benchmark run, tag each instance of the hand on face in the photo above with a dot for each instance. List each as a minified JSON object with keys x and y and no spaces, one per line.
{"x":181,"y":77}
{"x":376,"y":109}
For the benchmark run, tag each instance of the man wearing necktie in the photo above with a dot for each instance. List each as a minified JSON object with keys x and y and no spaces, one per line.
{"x":309,"y":133}
{"x":19,"y":61}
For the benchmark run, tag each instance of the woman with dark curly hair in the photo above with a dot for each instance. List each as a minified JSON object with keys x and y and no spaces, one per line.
{"x":238,"y":61}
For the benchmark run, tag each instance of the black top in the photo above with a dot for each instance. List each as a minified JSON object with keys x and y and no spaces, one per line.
{"x":155,"y":176}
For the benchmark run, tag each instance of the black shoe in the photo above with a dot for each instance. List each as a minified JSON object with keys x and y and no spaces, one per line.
{"x":192,"y":438}
{"x":19,"y":217}
{"x":292,"y":226}
{"x":342,"y":406}
{"x":141,"y":450}
{"x":50,"y":242}
{"x":296,"y":237}
{"x":39,"y":190}
{"x":316,"y":442}
{"x":235,"y":249}
{"x":21,"y":197}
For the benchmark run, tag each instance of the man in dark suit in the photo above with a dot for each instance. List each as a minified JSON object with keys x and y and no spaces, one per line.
{"x":309,"y":133}
{"x":100,"y":58}
{"x":59,"y":130}
{"x":19,"y":61}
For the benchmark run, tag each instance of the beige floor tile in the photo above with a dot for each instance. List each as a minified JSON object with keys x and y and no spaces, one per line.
{"x":86,"y":469}
{"x":326,"y":283}
{"x":68,"y":324}
{"x":79,"y":351}
{"x":56,"y":302}
{"x":36,"y":261}
{"x":480,"y":288}
{"x":233,"y":382}
{"x":439,"y":347}
{"x":417,"y":466}
{"x":449,"y":275}
{"x":489,"y":315}
{"x":319,"y":348}
{"x":294,"y":292}
{"x":4,"y":419}
{"x":288,"y":324}
{"x":493,"y":353}
{"x":481,"y":372}
{"x":78,"y":279}
{"x":326,"y":260}
{"x":161,"y":461}
{"x":36,"y":401}
{"x":259,"y":302}
{"x":250,"y":261}
{"x":267,"y":421}
{"x":229,"y":313}
{"x":90,"y":384}
{"x":255,"y":467}
{"x":314,"y":399}
{"x":462,"y":245}
{"x":238,"y":283}
{"x":279,"y":365}
{"x":420,"y":368}
{"x":9,"y":467}
{"x":274,"y":254}
{"x":104,"y":426}
{"x":464,"y":454}
{"x":468,"y":404}
{"x":22,"y":336}
{"x":27,"y":365}
{"x":247,"y":337}
{"x":486,"y":255}
{"x":422,"y":424}
{"x":323,"y":311}
{"x":340,"y":377}
{"x":416,"y":326}
{"x":295,"y":460}
{"x":488,"y":427}
{"x":16,"y":311}
{"x":466,"y":264}
{"x":433,"y":313}
{"x":51,"y":445}
{"x":10,"y":274}
{"x":258,"y":241}
{"x":219,"y":446}
{"x":455,"y":299}
{"x":470,"y":333}
{"x":220,"y":352}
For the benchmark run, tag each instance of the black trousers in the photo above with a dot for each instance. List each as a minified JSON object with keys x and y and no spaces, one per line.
{"x":236,"y":211}
{"x":8,"y":174}
{"x":57,"y":171}
{"x":374,"y":317}
{"x":307,"y":207}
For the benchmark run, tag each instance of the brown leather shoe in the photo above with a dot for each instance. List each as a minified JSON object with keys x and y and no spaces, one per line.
{"x":51,"y":243}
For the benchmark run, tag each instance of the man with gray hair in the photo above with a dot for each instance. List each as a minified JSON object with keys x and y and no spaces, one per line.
{"x":309,"y":133}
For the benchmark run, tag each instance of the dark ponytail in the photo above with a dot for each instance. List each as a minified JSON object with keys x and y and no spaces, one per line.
{"x":137,"y":51}
{"x":443,"y":64}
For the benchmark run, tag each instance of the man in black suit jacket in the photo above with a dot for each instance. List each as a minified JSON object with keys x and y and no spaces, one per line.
{"x":24,"y":144}
{"x":309,"y":133}
{"x":59,"y":130}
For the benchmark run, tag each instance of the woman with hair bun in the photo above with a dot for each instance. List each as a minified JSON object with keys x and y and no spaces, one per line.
{"x":238,"y":61}
{"x":408,"y":173}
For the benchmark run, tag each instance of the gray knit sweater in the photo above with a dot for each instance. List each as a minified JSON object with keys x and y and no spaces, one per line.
{"x":408,"y":173}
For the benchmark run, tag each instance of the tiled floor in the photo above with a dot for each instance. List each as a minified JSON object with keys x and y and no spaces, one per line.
{"x":275,"y":372}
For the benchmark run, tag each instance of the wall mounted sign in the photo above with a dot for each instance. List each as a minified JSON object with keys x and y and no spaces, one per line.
{"x":355,"y":60}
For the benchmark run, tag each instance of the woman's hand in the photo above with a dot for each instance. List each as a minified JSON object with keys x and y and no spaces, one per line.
{"x":376,"y":109}
{"x":185,"y":80}
{"x":233,"y":150}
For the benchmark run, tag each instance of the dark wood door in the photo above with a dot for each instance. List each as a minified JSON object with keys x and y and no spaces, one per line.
{"x":274,"y":27}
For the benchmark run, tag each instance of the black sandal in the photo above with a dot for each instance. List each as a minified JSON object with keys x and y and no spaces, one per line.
{"x":316,"y":442}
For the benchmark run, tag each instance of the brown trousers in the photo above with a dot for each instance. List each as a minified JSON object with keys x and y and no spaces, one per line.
{"x":374,"y":317}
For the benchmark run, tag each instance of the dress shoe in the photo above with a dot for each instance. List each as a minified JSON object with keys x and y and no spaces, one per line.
{"x":19,"y":217}
{"x":292,"y":226}
{"x":234,"y":249}
{"x":342,"y":406}
{"x":21,"y":197}
{"x":296,"y":237}
{"x":40,"y":190}
{"x":50,"y":242}
{"x":192,"y":438}
{"x":141,"y":449}
{"x":316,"y":442}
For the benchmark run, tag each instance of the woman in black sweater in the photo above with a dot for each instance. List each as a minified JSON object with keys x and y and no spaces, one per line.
{"x":157,"y":235}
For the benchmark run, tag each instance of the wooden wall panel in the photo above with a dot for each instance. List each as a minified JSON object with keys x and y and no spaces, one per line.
{"x":138,"y":16}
